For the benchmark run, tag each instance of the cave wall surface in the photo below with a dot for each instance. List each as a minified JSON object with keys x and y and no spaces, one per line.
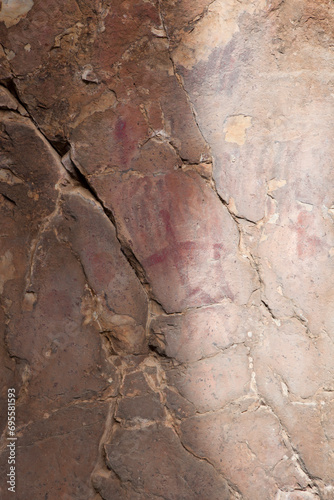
{"x":166,"y":250}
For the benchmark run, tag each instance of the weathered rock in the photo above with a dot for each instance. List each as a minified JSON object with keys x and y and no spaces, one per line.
{"x":7,"y":101}
{"x":166,"y":279}
{"x":61,"y":357}
{"x":201,"y":333}
{"x":119,"y":303}
{"x":134,"y":384}
{"x":255,"y":138}
{"x":296,"y":379}
{"x":215,"y":381}
{"x":244,"y":446}
{"x":178,"y":405}
{"x":168,"y":471}
{"x":199,"y":259}
{"x":8,"y":374}
{"x":140,"y":409}
{"x":72,"y":434}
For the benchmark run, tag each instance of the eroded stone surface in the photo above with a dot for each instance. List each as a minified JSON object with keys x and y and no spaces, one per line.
{"x":245,"y":446}
{"x":213,"y":382}
{"x":201,"y":333}
{"x":173,"y":474}
{"x":201,"y":261}
{"x":166,"y":250}
{"x":61,"y":356}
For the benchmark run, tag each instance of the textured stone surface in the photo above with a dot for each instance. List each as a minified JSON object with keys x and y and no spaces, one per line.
{"x":202,"y":333}
{"x":246,"y":445}
{"x":200,"y":259}
{"x":166,"y":250}
{"x":212,"y":382}
{"x":71,"y":435}
{"x":168,"y":471}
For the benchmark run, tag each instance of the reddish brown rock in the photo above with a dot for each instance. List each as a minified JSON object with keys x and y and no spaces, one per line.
{"x":199,"y":259}
{"x":61,"y":358}
{"x":134,"y":384}
{"x":172,"y":275}
{"x":169,"y":470}
{"x":178,"y":405}
{"x":109,"y":487}
{"x":8,"y":374}
{"x":140,"y":409}
{"x":119,"y":303}
{"x":56,"y":454}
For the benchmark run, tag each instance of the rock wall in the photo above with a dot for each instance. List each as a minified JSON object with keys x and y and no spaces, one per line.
{"x":167,"y":248}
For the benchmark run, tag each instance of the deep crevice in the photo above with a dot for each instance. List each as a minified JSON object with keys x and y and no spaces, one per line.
{"x":9,"y":199}
{"x":61,"y":145}
{"x":10,"y":85}
{"x":269,"y":309}
{"x":156,"y":350}
{"x":125,"y":249}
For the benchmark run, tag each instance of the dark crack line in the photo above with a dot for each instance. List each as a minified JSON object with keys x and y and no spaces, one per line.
{"x":9,"y":199}
{"x":230,"y":484}
{"x":14,"y":92}
{"x":233,"y":216}
{"x":178,"y":77}
{"x":125,"y":249}
{"x":312,"y":479}
{"x":268,"y":309}
{"x":211,"y":160}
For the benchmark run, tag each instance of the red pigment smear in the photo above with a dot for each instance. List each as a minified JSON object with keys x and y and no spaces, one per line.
{"x":307,"y":245}
{"x":120,"y":129}
{"x":217,"y":247}
{"x":99,"y":262}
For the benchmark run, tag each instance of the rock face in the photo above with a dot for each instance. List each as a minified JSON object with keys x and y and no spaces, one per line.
{"x":166,"y":251}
